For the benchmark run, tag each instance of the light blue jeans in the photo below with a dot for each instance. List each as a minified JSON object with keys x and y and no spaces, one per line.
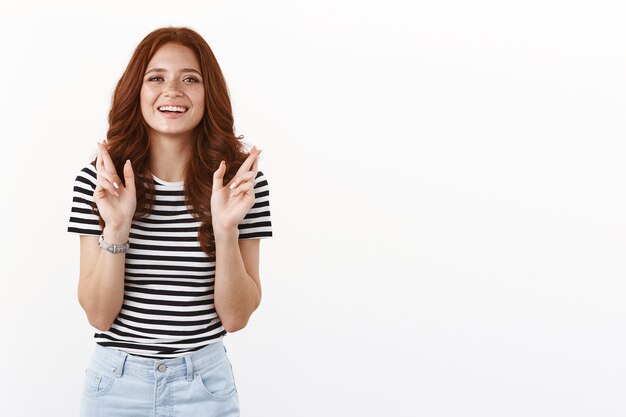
{"x":121,"y":385}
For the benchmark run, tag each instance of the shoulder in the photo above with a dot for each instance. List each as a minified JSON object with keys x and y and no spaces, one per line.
{"x":87,"y":175}
{"x":261,"y":186}
{"x":260,"y":180}
{"x":88,"y":169}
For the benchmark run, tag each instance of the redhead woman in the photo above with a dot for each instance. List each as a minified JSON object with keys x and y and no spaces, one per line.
{"x":170,"y":216}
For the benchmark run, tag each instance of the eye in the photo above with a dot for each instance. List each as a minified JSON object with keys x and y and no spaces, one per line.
{"x":188,"y":78}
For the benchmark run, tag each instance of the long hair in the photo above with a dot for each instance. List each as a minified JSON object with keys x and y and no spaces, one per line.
{"x":214,"y":138}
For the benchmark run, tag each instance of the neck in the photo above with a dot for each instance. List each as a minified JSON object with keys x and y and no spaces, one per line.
{"x":169,"y":156}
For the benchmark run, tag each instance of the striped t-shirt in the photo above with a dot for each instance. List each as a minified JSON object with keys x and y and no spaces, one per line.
{"x":168,"y":308}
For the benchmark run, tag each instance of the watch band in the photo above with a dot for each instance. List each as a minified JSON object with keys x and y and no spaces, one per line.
{"x":112,"y":247}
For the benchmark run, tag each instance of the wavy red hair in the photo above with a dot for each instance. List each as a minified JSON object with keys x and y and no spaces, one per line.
{"x":214,"y":141}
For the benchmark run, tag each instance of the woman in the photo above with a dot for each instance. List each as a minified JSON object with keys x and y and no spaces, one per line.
{"x":169,"y":249}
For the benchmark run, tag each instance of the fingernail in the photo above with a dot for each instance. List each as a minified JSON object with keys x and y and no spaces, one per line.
{"x":233,"y":185}
{"x":115,"y":185}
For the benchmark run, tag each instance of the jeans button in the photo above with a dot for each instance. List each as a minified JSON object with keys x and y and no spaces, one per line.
{"x":162,"y":367}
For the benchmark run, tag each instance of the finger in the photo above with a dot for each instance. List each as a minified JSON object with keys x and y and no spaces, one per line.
{"x":108,"y":162}
{"x":239,"y":178}
{"x":218,"y":177}
{"x":244,"y":183}
{"x":99,"y":163}
{"x":104,"y":181}
{"x":247,"y":164}
{"x":129,"y":176}
{"x":103,"y":174}
{"x":103,"y":178}
{"x":108,"y":186}
{"x":243,"y":188}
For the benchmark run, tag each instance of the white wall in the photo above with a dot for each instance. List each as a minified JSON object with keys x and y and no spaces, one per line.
{"x":447,"y":193}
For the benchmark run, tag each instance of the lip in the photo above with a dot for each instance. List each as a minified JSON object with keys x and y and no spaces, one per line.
{"x":174,"y":105}
{"x":172,"y":115}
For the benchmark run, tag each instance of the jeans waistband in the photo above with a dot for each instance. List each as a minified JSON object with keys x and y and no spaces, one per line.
{"x":121,"y":362}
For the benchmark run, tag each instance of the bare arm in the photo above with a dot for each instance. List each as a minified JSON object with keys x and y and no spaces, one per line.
{"x":237,"y":285}
{"x":101,"y":282}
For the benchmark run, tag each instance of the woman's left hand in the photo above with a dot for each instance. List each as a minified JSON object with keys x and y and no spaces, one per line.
{"x":231,"y":202}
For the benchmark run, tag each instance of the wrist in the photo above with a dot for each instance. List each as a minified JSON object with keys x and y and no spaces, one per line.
{"x":117,"y":236}
{"x":225,"y":233}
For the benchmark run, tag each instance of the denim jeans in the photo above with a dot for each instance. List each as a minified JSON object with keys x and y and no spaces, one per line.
{"x":202,"y":383}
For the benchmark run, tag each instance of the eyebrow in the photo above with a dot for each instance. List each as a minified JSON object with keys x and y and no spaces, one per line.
{"x":182,"y":70}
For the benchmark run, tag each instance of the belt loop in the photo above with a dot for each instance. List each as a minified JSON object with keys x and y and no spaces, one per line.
{"x":189,"y":367}
{"x":119,"y":369}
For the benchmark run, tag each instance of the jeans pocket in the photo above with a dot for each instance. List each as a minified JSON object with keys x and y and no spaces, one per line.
{"x":216,"y":381}
{"x":97,"y":382}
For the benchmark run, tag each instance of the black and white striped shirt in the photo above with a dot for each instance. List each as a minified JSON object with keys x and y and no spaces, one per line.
{"x":168,"y":308}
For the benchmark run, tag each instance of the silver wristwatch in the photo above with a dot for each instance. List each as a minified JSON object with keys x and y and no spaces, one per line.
{"x":112,"y":247}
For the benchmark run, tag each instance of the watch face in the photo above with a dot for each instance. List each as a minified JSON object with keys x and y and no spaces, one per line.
{"x":112,"y":247}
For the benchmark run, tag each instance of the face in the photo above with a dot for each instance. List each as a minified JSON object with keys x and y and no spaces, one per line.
{"x":172,"y":77}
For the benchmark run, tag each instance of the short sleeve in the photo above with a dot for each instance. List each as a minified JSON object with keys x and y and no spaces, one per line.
{"x":83,"y":220}
{"x":257,"y":223}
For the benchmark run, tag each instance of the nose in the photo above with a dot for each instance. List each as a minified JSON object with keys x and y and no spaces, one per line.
{"x":172,"y":89}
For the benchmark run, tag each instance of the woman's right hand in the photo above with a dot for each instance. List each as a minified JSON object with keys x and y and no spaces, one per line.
{"x":116,"y":205}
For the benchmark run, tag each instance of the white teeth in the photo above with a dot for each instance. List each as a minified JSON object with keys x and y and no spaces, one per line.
{"x":173,"y":108}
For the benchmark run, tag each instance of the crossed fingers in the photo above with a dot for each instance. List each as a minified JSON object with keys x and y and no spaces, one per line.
{"x":244,"y":179}
{"x":242,"y":183}
{"x":107,"y":175}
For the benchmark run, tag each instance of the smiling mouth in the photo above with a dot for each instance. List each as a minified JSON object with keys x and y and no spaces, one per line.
{"x":173,"y":109}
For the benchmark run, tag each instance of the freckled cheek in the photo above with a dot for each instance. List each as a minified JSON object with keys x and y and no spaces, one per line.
{"x":198,"y":104}
{"x":147,"y":99}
